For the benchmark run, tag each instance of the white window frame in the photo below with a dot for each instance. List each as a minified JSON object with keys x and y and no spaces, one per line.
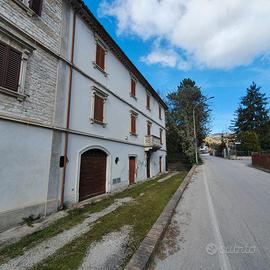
{"x":24,"y":4}
{"x":150,"y":96}
{"x":132,"y":77}
{"x":104,"y":96}
{"x":134,"y":113}
{"x":26,"y":49}
{"x":103,"y":45}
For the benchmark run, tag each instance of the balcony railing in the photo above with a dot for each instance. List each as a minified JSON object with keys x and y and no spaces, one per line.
{"x":152,"y":142}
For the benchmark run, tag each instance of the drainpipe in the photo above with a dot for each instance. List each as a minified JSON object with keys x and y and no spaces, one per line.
{"x":68,"y":111}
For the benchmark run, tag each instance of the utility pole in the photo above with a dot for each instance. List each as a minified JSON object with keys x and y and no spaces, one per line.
{"x":195,"y":134}
{"x":194,"y":130}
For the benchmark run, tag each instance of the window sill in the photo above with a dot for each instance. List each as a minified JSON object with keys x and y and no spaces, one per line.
{"x":131,"y":95}
{"x":95,"y":65}
{"x":28,"y":10}
{"x":133,"y":134}
{"x":8,"y":92}
{"x":94,"y":121}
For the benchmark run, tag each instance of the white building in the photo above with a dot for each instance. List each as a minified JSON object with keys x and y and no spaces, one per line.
{"x":105,"y":125}
{"x":30,"y":48}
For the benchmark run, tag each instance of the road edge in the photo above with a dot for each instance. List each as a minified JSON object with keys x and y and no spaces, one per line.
{"x":142,"y":256}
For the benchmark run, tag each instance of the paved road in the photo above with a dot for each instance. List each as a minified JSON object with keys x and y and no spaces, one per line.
{"x":222,"y":221}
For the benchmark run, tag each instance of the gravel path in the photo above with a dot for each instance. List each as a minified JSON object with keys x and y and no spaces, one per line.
{"x":15,"y":234}
{"x":167,"y":177}
{"x":48,"y":247}
{"x":107,"y":254}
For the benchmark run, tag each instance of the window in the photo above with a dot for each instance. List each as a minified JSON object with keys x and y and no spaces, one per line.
{"x":100,"y":56}
{"x":148,"y":101}
{"x":133,"y":118}
{"x":161,"y":135}
{"x":160,"y":164}
{"x":133,"y":88}
{"x":10,"y":66}
{"x":36,"y":6}
{"x":31,"y":6}
{"x":160,"y":113}
{"x":98,"y":109}
{"x":149,"y":126}
{"x":99,"y":98}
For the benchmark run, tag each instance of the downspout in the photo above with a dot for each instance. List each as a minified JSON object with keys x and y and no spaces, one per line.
{"x":68,"y":111}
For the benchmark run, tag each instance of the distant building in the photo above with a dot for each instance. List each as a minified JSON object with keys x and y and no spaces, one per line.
{"x":77,"y":118}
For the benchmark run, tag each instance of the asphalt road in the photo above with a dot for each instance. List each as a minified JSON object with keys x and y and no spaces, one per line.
{"x":222,"y":221}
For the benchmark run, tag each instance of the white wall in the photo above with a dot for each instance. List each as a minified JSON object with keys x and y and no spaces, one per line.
{"x":79,"y":144}
{"x":118,"y":81}
{"x":117,"y":117}
{"x":24,"y":165}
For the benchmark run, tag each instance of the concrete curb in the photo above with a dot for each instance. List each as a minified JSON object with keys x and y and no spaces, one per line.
{"x":260,"y":168}
{"x":142,"y":256}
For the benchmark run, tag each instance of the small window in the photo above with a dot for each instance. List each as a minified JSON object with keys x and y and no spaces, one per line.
{"x":10,"y":66}
{"x":161,"y":135}
{"x":133,"y":88}
{"x":148,"y":101}
{"x":160,"y":113}
{"x":100,"y":56}
{"x":149,"y":126}
{"x":160,"y":164}
{"x":99,"y":109}
{"x":133,"y":118}
{"x":36,"y":6}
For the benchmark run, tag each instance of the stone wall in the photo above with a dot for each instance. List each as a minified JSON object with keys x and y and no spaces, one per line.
{"x":42,"y":66}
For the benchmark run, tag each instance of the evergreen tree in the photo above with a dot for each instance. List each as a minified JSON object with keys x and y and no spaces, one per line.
{"x":180,"y":119}
{"x":252,"y":114}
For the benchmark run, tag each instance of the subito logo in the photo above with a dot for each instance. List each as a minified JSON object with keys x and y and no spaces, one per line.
{"x":211,"y":249}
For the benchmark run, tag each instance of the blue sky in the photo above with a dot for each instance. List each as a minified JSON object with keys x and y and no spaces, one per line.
{"x":223,"y":60}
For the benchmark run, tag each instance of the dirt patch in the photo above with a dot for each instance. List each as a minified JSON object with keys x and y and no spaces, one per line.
{"x":169,"y":244}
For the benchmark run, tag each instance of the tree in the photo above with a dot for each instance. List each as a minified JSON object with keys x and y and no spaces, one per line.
{"x":252,"y":114}
{"x":265,"y":137}
{"x":180,"y":122}
{"x":249,"y":141}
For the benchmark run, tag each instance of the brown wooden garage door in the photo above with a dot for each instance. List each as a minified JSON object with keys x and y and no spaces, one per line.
{"x":92,"y":174}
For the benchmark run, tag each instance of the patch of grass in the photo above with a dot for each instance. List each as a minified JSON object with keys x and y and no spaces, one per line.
{"x":140,"y":214}
{"x":74,"y":217}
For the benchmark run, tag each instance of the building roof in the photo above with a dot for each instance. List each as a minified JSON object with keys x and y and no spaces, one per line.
{"x":90,"y":19}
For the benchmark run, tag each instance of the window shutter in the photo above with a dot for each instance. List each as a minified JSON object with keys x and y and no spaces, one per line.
{"x":98,"y":108}
{"x":133,"y":87}
{"x":36,"y":6}
{"x":148,"y":129}
{"x":14,"y":59}
{"x":148,"y":101}
{"x":3,"y":54}
{"x":100,"y":56}
{"x":133,"y":124}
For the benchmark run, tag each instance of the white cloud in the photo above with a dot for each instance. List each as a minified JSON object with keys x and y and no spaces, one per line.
{"x":211,"y":33}
{"x":166,"y":57}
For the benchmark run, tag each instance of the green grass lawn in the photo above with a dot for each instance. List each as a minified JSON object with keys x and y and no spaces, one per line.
{"x":140,"y":214}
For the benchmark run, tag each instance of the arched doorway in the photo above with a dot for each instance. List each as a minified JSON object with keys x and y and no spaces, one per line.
{"x":92,"y":174}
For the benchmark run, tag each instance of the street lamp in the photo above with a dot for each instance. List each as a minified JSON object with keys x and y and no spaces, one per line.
{"x":194,"y":129}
